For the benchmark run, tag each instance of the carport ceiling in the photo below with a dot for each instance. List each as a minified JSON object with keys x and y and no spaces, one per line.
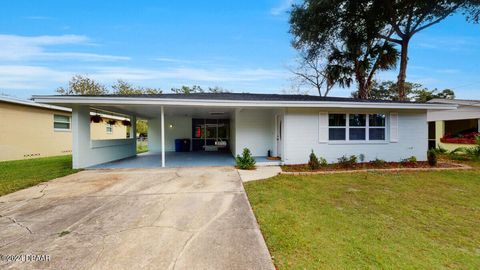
{"x":154,"y":111}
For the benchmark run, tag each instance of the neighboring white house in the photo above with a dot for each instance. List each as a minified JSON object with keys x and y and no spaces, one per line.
{"x":451,"y":129}
{"x":287,"y":126}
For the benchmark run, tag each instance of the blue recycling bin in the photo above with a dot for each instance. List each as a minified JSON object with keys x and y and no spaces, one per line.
{"x":182,"y":145}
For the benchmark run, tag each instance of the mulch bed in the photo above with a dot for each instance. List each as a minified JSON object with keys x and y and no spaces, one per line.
{"x":303,"y":168}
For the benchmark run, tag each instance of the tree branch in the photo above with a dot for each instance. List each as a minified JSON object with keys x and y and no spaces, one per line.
{"x":435,"y":21}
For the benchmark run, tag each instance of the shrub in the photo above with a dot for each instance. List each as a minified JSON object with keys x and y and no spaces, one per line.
{"x":313,"y":162}
{"x":361,"y":157}
{"x":323,"y":162}
{"x":246,"y":161}
{"x":411,"y":159}
{"x":345,"y":161}
{"x":432,"y":157}
{"x":440,"y":150}
{"x":378,"y":162}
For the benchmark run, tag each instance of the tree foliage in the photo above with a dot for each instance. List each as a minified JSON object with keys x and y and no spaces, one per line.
{"x":312,"y":73}
{"x":82,"y":85}
{"x":387,"y":90}
{"x":142,"y":126}
{"x":197,"y":89}
{"x":359,"y":36}
{"x":124,"y":88}
{"x":345,"y":32}
{"x":408,"y":17}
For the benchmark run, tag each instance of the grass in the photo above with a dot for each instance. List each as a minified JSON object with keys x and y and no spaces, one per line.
{"x":142,"y":147}
{"x":19,"y":174}
{"x":421,"y":220}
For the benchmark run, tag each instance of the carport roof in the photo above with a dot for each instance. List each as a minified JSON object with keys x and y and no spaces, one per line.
{"x":237,"y":100}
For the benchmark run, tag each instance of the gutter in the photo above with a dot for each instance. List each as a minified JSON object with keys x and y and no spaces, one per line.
{"x":64,"y":100}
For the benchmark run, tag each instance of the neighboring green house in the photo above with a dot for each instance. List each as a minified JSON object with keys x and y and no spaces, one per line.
{"x":451,"y":129}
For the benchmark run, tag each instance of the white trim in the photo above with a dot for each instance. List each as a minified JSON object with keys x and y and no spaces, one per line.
{"x":70,"y":100}
{"x":323,"y":127}
{"x":394,"y":127}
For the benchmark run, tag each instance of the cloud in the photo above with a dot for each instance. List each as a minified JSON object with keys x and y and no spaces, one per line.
{"x":42,"y":18}
{"x":188,"y":74}
{"x":31,"y":77}
{"x":172,"y":60}
{"x":26,"y":77}
{"x":446,"y":43}
{"x":282,"y":7}
{"x":33,"y":48}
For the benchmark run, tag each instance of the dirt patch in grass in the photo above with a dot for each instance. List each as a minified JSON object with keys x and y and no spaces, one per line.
{"x":368,"y":166}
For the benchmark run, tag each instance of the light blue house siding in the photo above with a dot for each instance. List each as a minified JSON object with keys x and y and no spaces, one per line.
{"x":303,"y":134}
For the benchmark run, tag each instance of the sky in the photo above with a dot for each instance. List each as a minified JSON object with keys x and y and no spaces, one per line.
{"x":242,"y":46}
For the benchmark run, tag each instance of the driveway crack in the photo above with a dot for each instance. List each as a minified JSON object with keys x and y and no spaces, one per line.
{"x":17,"y":223}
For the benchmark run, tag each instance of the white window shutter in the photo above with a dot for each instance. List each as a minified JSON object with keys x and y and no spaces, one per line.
{"x":393,"y":127}
{"x":322,"y":127}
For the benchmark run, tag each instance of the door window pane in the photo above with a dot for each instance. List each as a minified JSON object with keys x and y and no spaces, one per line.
{"x":223,"y":131}
{"x":336,"y":134}
{"x":357,"y":120}
{"x":211,"y":132}
{"x":357,"y":134}
{"x":377,"y":134}
{"x":337,"y":120}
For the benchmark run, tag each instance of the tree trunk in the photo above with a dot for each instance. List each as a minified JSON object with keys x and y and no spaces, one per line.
{"x":360,"y":77}
{"x":402,"y":75}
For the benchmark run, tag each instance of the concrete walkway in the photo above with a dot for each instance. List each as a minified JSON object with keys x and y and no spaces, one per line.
{"x":134,"y":219}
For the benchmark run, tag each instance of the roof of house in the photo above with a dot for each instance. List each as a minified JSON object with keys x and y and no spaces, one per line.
{"x":246,"y":97}
{"x":236,"y":99}
{"x":467,"y":102}
{"x":50,"y":107}
{"x":32,"y":103}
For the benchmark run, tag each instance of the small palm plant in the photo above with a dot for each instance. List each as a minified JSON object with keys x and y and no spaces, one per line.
{"x":472,"y":152}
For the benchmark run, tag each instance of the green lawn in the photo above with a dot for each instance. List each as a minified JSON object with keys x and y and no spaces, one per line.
{"x":424,"y":220}
{"x":142,"y":147}
{"x":19,"y":174}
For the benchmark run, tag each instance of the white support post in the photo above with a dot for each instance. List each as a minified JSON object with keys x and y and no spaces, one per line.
{"x":80,"y":136}
{"x":163,"y":136}
{"x":133,"y":132}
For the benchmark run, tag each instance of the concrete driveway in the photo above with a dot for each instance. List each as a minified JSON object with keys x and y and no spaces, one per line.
{"x":188,"y":218}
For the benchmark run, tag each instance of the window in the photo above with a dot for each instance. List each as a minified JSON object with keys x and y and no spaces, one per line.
{"x":376,"y":125}
{"x":61,"y":122}
{"x":109,"y":129}
{"x":356,"y":127}
{"x":337,"y":127}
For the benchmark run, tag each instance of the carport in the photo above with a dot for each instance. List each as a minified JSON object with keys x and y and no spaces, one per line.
{"x":217,"y":130}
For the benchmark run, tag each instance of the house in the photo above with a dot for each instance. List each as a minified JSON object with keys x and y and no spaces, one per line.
{"x":450,"y":129}
{"x":32,"y":129}
{"x":286,"y":126}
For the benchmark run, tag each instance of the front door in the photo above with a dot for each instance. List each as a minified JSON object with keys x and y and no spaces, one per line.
{"x":279,"y":134}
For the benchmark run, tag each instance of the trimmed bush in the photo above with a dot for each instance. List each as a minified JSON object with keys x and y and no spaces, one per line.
{"x":346,"y":162}
{"x":313,"y":162}
{"x":323,"y":162}
{"x":412,"y":159}
{"x":378,"y":162}
{"x":246,"y":161}
{"x":432,"y":157}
